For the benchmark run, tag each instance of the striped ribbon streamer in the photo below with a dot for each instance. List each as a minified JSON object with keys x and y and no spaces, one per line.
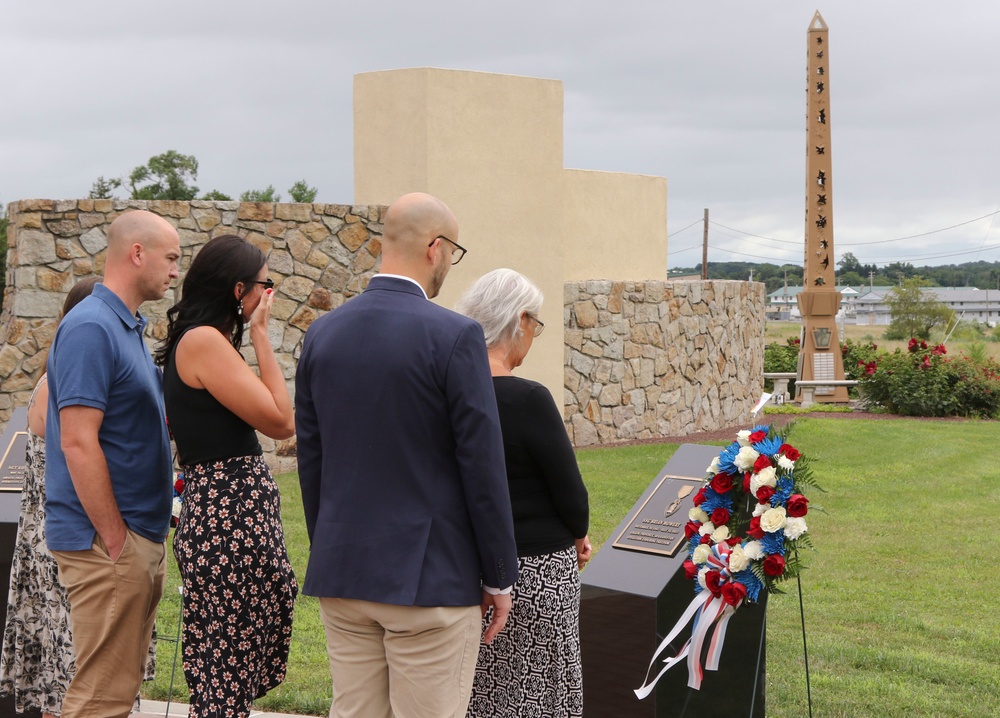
{"x":707,"y":611}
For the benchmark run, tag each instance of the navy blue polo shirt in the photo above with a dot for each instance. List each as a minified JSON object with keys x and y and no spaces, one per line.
{"x":99,"y":359}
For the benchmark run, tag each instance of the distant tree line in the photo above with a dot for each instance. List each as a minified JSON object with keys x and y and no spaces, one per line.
{"x":171,"y":175}
{"x":982,"y":275}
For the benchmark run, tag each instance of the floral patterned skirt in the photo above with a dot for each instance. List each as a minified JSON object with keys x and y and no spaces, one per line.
{"x":239,"y":589}
{"x":532,"y":669}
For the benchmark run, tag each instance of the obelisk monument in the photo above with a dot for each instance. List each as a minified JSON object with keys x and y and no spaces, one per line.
{"x":819,"y":300}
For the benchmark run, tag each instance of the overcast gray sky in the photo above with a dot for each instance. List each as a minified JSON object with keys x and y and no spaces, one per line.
{"x":710,"y":95}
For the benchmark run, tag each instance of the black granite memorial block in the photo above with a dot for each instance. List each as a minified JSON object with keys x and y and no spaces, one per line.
{"x":635,"y":590}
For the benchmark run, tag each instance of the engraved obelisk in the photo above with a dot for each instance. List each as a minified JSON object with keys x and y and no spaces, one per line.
{"x":819,"y":300}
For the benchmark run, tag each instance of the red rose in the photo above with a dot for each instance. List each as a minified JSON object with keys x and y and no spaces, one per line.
{"x":699,"y":497}
{"x":746,"y":482}
{"x":926,"y":363}
{"x":764,"y":494}
{"x":939,"y":350}
{"x":774,"y":565}
{"x":707,"y":538}
{"x":733,"y":593}
{"x":912,"y":346}
{"x":712,"y":580}
{"x":734,"y":541}
{"x":790,"y":452}
{"x":870,"y":368}
{"x":923,"y":344}
{"x":691,"y":529}
{"x":720,"y":516}
{"x":798,"y":505}
{"x":690,"y":570}
{"x":721,"y":483}
{"x":762,"y":462}
{"x":179,"y":486}
{"x":758,"y":436}
{"x":754,"y":530}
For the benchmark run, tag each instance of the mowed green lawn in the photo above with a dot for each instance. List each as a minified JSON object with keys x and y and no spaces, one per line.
{"x":900,"y":598}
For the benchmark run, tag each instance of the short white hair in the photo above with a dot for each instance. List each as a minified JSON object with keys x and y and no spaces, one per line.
{"x":496,"y":300}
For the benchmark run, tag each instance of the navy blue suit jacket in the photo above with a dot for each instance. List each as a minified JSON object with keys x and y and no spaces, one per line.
{"x":400,"y":454}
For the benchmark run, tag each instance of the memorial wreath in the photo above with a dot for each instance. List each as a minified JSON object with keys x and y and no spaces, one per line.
{"x":744,"y":535}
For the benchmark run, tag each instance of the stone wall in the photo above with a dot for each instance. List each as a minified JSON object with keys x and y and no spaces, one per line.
{"x":641,"y":359}
{"x":649,"y":359}
{"x":318,"y":256}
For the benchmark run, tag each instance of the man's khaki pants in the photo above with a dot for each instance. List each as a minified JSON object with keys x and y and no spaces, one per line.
{"x":402,"y":661}
{"x":112,"y":612}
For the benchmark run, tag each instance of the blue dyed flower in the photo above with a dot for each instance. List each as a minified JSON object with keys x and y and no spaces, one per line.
{"x":727,"y":459}
{"x":782,"y":491}
{"x":750,"y":580}
{"x":773,"y":543}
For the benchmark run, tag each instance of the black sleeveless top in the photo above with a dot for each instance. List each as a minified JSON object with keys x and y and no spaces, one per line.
{"x":203,"y":429}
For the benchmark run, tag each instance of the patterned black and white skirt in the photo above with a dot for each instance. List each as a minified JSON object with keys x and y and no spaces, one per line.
{"x":239,"y":589}
{"x":532,"y":669}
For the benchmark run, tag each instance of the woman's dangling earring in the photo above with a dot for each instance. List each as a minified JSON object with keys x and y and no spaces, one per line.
{"x":239,"y":307}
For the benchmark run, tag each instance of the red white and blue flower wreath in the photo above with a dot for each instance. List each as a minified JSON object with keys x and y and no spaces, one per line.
{"x":744,"y":533}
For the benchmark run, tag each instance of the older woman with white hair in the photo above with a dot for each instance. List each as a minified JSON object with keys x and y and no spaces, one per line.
{"x":533,"y":668}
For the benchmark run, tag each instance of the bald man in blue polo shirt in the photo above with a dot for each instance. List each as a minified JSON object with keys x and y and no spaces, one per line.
{"x":108,"y":468}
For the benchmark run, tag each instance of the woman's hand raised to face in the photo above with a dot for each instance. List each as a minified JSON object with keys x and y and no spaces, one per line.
{"x":261,"y":315}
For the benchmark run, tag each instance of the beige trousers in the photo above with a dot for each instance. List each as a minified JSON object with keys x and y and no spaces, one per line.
{"x":112,"y":612}
{"x":401,"y":661}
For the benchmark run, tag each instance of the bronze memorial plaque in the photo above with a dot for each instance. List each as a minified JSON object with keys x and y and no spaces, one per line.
{"x":658,"y":525}
{"x":14,"y":443}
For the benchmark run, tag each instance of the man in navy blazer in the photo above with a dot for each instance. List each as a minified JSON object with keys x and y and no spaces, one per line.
{"x":403,"y":481}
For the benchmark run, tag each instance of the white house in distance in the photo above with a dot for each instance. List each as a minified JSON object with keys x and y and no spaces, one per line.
{"x":867,"y":305}
{"x":782,"y":305}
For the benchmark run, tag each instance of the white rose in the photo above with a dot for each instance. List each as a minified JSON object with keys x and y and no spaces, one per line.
{"x":773,"y":520}
{"x":701,"y":577}
{"x":753,"y":550}
{"x":745,"y":458}
{"x":720,"y":534}
{"x":765,"y":477}
{"x":738,"y":559}
{"x":713,"y":468}
{"x":795,"y":527}
{"x":743,"y":437}
{"x":706,"y":528}
{"x":701,"y":553}
{"x":696,"y":514}
{"x":760,"y":508}
{"x":786,"y":463}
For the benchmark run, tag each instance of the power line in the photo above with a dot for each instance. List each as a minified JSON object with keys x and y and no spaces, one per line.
{"x":697,"y":221}
{"x":859,"y":244}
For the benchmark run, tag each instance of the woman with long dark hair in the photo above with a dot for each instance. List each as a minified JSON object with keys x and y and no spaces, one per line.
{"x":239,"y":590}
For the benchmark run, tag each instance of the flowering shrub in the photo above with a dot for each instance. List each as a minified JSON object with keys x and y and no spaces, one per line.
{"x":924,"y":381}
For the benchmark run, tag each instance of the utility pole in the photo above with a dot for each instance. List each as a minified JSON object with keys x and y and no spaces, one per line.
{"x":704,"y":248}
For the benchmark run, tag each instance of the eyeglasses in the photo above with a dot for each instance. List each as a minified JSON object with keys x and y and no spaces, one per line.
{"x":461,"y":250}
{"x":268,"y":283}
{"x":539,"y":324}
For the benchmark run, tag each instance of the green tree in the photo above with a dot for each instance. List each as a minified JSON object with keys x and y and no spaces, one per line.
{"x":165,"y":176}
{"x":914,"y":311}
{"x":217,"y":196}
{"x":849,"y":263}
{"x":851,"y":279}
{"x":260,"y":195}
{"x":104,"y":189}
{"x":302,"y":192}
